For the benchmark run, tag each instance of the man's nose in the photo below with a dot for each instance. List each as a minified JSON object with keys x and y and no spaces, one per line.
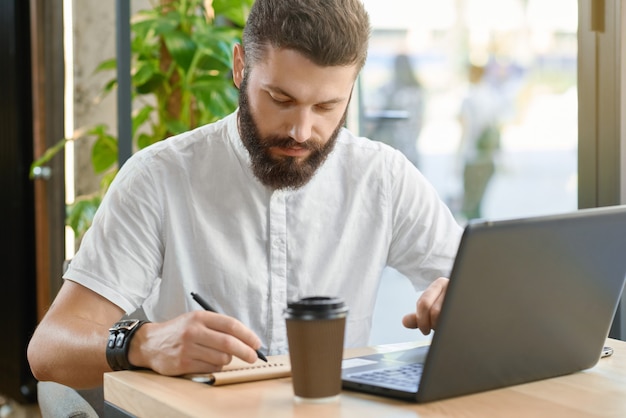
{"x":301,"y":125}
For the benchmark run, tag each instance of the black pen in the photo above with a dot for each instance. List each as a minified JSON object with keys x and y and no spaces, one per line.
{"x":208,"y":307}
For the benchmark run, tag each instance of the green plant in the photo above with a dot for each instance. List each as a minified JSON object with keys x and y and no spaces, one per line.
{"x":181,"y":52}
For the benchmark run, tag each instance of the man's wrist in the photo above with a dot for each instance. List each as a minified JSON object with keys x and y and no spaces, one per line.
{"x":118,"y":343}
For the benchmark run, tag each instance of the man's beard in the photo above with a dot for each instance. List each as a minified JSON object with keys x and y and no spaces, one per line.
{"x":280,"y":172}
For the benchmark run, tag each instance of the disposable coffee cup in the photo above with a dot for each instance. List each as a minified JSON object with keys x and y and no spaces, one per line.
{"x":315,"y":331}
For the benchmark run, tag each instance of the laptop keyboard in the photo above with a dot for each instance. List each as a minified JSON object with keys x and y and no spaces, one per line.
{"x":405,"y":377}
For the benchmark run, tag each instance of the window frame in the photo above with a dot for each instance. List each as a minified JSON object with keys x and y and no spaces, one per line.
{"x":602,"y":112}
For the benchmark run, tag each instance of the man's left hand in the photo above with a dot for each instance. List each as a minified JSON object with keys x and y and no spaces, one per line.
{"x":428,"y":307}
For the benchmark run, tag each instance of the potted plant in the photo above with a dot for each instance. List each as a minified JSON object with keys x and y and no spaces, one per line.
{"x":181,"y":53}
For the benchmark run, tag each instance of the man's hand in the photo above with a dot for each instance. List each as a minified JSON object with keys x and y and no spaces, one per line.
{"x":69,"y":344}
{"x":195,"y":342}
{"x":428,"y":307}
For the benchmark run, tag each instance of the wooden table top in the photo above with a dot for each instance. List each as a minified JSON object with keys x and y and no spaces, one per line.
{"x":599,"y":391}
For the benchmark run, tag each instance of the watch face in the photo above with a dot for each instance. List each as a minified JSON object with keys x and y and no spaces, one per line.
{"x":125,"y":325}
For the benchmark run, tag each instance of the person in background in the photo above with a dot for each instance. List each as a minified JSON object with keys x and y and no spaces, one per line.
{"x":480,"y":117}
{"x":400,"y":122}
{"x":275,"y":202}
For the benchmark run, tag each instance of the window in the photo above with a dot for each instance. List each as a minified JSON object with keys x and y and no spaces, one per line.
{"x":482,"y":96}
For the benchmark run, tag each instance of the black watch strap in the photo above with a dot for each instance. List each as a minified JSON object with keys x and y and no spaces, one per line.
{"x":118,"y":344}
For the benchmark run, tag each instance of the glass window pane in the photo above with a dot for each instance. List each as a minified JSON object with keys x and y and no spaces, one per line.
{"x":481,"y":95}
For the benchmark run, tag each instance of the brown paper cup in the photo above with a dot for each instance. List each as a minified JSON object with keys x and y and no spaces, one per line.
{"x":315,"y":331}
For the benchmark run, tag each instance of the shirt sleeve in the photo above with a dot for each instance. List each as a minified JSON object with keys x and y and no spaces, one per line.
{"x":425,"y":235}
{"x":121,"y":254}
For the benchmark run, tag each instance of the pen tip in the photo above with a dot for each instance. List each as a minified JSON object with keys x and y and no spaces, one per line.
{"x":261,"y":356}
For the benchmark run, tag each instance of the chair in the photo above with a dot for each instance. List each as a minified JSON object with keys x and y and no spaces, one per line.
{"x":57,"y":400}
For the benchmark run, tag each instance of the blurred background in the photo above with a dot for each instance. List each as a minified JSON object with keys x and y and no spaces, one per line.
{"x":482,"y":97}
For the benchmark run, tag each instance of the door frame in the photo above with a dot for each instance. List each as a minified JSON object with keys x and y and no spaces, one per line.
{"x":48,"y":75}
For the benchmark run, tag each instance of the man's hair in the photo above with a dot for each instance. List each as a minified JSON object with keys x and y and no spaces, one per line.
{"x":328,"y":32}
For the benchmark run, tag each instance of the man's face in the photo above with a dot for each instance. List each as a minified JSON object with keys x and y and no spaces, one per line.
{"x":290,"y":113}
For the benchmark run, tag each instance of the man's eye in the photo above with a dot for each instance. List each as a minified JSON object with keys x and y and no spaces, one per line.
{"x":281,"y":100}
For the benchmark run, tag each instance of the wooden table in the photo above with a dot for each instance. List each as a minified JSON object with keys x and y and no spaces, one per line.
{"x":599,"y":391}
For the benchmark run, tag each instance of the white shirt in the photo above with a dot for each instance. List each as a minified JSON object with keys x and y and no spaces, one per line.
{"x":188,"y":215}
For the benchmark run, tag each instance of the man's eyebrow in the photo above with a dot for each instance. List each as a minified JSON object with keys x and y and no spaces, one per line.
{"x":278,"y":90}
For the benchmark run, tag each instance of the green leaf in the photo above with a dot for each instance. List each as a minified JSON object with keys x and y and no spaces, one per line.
{"x":108,"y":87}
{"x":176,"y":126}
{"x":143,"y":17}
{"x":104,"y":153}
{"x":225,"y":50}
{"x":226,"y":34}
{"x":216,"y":95}
{"x":145,"y":47}
{"x":225,"y":101}
{"x":144,"y":72}
{"x":143,"y":140}
{"x":110,"y":64}
{"x":167,"y":23}
{"x":210,"y":35}
{"x":216,"y":44}
{"x":99,"y":129}
{"x":147,"y":78}
{"x":143,"y":22}
{"x":181,"y":47}
{"x":141,"y":116}
{"x":80,"y":214}
{"x":152,"y":85}
{"x":235,"y":11}
{"x":207,"y":61}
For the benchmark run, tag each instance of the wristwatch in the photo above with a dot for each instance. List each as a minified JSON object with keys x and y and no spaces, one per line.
{"x":118,"y":344}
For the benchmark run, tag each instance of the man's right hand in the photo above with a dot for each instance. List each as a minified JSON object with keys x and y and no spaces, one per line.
{"x":69,"y":344}
{"x":195,"y":342}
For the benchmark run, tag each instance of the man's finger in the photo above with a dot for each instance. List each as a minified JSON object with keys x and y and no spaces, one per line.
{"x":230,"y":336}
{"x":410,"y":321}
{"x":428,"y":307}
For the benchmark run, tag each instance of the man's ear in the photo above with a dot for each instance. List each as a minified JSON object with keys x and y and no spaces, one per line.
{"x":239,"y":64}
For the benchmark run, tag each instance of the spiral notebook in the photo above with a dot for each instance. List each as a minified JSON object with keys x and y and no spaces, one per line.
{"x":238,"y":371}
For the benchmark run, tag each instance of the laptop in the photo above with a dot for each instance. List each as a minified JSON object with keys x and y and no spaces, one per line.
{"x":528,"y":299}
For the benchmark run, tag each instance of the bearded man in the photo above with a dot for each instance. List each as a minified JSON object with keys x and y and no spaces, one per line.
{"x":275,"y":202}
